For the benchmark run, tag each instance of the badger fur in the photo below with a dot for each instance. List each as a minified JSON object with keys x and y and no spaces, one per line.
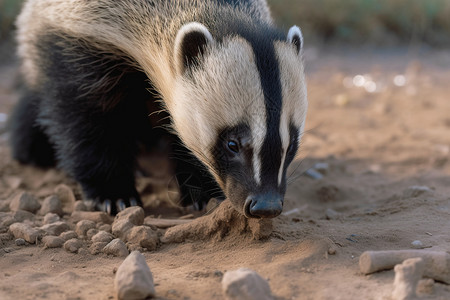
{"x":230,"y":82}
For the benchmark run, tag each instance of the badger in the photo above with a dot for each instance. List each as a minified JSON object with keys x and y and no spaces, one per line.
{"x":229,"y":85}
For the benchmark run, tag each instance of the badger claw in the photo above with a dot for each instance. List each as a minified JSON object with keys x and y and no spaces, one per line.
{"x":104,"y":205}
{"x":133,"y":202}
{"x":115,"y":206}
{"x":120,"y":205}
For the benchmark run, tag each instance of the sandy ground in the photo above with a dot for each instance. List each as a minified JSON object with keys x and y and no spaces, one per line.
{"x":378,"y":140}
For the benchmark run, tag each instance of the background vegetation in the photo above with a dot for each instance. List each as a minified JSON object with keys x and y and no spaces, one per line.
{"x":373,"y":21}
{"x":349,"y":21}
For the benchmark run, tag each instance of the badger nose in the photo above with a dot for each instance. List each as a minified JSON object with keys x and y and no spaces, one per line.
{"x":268,"y":205}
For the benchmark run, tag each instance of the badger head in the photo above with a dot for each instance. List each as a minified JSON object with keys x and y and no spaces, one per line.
{"x":240,"y":106}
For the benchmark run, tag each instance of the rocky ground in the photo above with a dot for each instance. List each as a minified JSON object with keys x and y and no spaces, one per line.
{"x":373,"y":173}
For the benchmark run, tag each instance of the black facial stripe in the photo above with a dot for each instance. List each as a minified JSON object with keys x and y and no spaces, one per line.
{"x":271,"y":151}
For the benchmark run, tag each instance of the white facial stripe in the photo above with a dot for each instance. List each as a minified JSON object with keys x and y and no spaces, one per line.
{"x":284,"y":134}
{"x":259,"y":131}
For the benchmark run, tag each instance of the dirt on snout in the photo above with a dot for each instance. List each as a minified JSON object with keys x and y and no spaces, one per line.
{"x":373,"y":173}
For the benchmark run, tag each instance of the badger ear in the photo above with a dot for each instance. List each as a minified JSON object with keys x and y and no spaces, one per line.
{"x":296,"y":38}
{"x":190,"y":44}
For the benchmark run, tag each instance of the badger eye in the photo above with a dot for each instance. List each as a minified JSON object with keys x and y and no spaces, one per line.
{"x":233,"y":146}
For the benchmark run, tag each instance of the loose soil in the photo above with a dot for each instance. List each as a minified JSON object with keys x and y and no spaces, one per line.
{"x":379,"y":134}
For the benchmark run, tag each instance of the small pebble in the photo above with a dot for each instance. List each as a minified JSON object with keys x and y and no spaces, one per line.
{"x":51,"y":204}
{"x":102,"y":236}
{"x":24,"y":201}
{"x":121,"y":227}
{"x":4,"y":206}
{"x":26,"y":232}
{"x":104,"y":227}
{"x":312,"y":173}
{"x":134,"y":214}
{"x":331,"y":250}
{"x":126,"y":220}
{"x":73,"y":245}
{"x":80,"y":206}
{"x":417,"y":244}
{"x":94,"y":216}
{"x":331,"y":214}
{"x":51,"y":218}
{"x":91,"y":232}
{"x":20,"y":242}
{"x":415,"y":191}
{"x":51,"y":241}
{"x":68,"y":235}
{"x":66,"y":197}
{"x":5,"y":220}
{"x":22,"y":215}
{"x":116,"y":247}
{"x":245,"y":284}
{"x":83,"y":226}
{"x":143,"y":236}
{"x":83,"y":251}
{"x":134,"y":279}
{"x":97,"y":247}
{"x":13,"y":182}
{"x":55,"y":228}
{"x":322,"y":168}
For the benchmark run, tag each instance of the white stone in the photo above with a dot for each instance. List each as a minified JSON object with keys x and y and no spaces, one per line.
{"x":134,"y":279}
{"x":245,"y":284}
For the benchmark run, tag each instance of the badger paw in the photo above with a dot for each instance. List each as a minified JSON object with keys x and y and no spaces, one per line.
{"x":113,"y":207}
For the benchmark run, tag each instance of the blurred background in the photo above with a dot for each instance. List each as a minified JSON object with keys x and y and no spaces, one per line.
{"x":376,"y":22}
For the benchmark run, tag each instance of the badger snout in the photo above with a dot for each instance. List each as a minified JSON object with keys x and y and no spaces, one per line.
{"x":266,"y":205}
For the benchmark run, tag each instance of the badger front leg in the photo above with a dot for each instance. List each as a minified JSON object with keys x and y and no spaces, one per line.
{"x":98,"y":149}
{"x":93,"y":110}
